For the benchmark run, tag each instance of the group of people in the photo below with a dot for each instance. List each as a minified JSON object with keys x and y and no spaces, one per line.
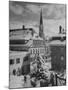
{"x":40,"y":79}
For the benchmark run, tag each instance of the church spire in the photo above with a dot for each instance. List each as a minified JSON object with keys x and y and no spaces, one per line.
{"x":41,"y":25}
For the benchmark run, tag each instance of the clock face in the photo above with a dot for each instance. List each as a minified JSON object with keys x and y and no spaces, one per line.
{"x":62,"y":58}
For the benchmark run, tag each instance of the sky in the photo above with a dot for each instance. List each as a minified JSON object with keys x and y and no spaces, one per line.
{"x":29,"y":14}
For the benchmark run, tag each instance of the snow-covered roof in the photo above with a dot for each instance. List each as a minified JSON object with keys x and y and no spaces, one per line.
{"x":13,"y":53}
{"x":57,"y":42}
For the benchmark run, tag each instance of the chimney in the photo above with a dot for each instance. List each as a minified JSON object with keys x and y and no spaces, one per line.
{"x":60,"y":29}
{"x":23,"y":27}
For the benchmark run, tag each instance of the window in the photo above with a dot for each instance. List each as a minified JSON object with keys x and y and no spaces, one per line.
{"x":11,"y":61}
{"x":18,"y":60}
{"x":33,"y":51}
{"x":36,"y":51}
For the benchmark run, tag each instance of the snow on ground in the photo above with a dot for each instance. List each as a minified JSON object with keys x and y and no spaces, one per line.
{"x":18,"y":82}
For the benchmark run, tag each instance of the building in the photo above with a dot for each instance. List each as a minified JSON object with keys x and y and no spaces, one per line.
{"x":58,"y":50}
{"x":40,"y":48}
{"x":58,"y":55}
{"x":16,"y":60}
{"x":20,"y":39}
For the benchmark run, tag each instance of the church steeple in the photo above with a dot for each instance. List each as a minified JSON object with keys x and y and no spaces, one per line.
{"x":41,"y":25}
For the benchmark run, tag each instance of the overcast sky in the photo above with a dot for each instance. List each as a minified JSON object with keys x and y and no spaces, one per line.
{"x":29,"y":14}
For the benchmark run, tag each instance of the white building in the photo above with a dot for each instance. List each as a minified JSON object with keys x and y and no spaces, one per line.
{"x":15,"y":61}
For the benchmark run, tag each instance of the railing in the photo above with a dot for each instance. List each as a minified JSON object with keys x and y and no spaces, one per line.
{"x":59,"y":81}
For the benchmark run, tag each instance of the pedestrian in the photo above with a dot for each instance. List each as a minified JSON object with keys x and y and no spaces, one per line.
{"x":52,"y":79}
{"x":25,"y":78}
